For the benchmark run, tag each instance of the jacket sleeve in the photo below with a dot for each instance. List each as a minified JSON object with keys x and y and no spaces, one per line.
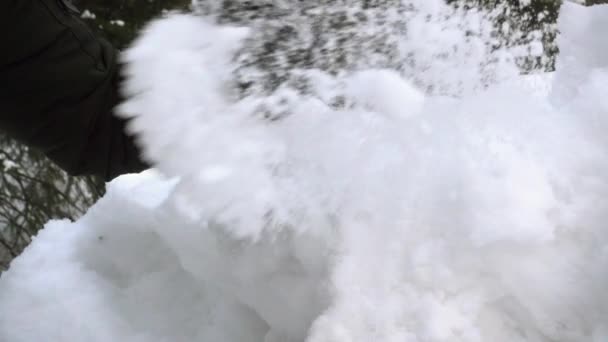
{"x":58,"y":88}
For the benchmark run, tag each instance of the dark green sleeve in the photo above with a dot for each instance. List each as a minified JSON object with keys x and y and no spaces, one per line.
{"x":58,"y":88}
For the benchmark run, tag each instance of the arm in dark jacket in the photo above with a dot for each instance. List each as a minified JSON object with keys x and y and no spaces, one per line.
{"x":58,"y":88}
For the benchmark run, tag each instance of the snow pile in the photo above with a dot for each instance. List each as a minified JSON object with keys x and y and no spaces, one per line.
{"x":283,"y":216}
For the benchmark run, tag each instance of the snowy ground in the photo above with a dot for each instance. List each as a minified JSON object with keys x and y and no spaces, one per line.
{"x":403,"y":217}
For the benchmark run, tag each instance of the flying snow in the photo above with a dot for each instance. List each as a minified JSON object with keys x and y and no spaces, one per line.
{"x":365,"y":205}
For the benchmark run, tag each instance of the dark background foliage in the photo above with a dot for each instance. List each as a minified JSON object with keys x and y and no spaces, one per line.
{"x":108,"y":15}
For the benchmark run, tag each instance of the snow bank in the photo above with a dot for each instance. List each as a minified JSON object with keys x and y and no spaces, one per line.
{"x":397,"y":216}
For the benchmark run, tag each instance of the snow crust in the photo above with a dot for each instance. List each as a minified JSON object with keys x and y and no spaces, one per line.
{"x":401,"y":216}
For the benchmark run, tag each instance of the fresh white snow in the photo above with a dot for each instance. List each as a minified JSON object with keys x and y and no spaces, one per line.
{"x":86,"y":14}
{"x":403,"y":216}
